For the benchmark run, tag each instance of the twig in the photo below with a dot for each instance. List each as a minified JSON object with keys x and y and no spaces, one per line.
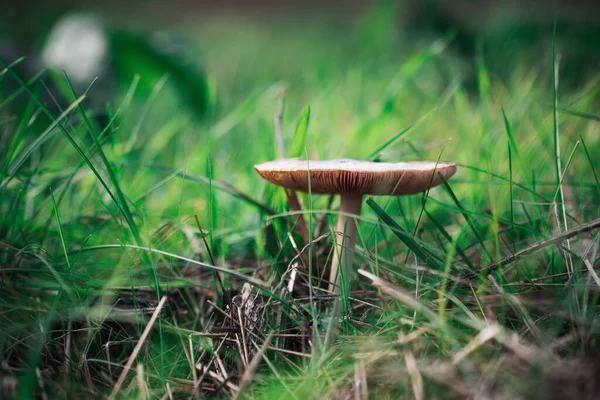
{"x":295,"y":353}
{"x":217,"y":377}
{"x":86,"y":372}
{"x":68,"y":346}
{"x":537,"y":246}
{"x":248,"y":375}
{"x":137,"y":348}
{"x":589,"y":265}
{"x":210,"y":362}
{"x":244,"y":354}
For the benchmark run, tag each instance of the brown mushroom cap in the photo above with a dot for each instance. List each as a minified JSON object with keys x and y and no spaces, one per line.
{"x":354,"y":176}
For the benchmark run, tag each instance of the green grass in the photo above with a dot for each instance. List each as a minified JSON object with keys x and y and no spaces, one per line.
{"x":97,"y":225}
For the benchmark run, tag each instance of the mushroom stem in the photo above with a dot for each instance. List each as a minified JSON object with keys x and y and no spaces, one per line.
{"x":346,"y":231}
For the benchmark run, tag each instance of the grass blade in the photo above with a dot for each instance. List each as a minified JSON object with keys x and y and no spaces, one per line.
{"x":403,"y":132}
{"x":300,"y":133}
{"x":465,"y":214}
{"x":589,"y":158}
{"x":122,"y":200}
{"x":125,"y":211}
{"x":420,"y":250}
{"x":60,"y":231}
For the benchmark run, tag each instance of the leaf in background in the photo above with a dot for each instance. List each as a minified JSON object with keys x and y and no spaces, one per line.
{"x":134,"y":55}
{"x":410,"y":67}
{"x":377,"y":25}
{"x":579,"y":114}
{"x":300,"y":133}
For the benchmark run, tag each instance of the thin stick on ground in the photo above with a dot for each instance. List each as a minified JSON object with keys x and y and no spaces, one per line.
{"x":587,"y":263}
{"x":220,"y":379}
{"x":539,"y":245}
{"x":249,"y":372}
{"x":245,"y":357}
{"x":210,"y":362}
{"x":138,"y":347}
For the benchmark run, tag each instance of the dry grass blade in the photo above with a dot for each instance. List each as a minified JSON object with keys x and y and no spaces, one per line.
{"x":448,"y":376}
{"x":415,"y":375}
{"x":144,"y":391}
{"x":206,"y":369}
{"x":412,"y":336}
{"x":361,"y":390}
{"x":249,"y":372}
{"x":43,"y":394}
{"x":484,"y":336}
{"x":244,"y":354}
{"x":217,"y":377}
{"x":400,"y":295}
{"x":138,"y":347}
{"x":86,"y":371}
{"x":587,"y":262}
{"x":512,"y":341}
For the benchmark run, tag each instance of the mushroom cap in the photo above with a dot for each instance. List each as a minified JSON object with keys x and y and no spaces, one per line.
{"x":345,"y":176}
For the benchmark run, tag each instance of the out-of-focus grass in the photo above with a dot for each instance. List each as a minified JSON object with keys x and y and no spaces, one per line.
{"x":95,"y":229}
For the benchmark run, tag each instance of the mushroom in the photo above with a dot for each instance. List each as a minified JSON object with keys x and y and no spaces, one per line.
{"x":352,"y":179}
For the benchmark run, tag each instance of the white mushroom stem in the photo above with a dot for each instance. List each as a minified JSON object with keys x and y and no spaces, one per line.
{"x":346,"y":231}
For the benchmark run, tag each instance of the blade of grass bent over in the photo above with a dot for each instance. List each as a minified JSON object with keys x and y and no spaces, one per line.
{"x":123,"y":203}
{"x":419,"y":250}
